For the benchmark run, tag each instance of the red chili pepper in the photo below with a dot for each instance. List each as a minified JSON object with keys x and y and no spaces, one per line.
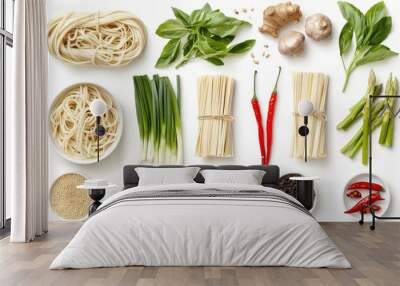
{"x":364,"y":202}
{"x":257,"y":113}
{"x":365,"y":186}
{"x":375,"y":207}
{"x":354,"y":194}
{"x":270,"y":117}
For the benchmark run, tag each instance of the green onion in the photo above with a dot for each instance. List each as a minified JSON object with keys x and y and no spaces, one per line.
{"x":159,"y":119}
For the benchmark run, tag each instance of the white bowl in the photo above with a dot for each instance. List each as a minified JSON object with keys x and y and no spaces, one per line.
{"x":349,"y":202}
{"x":109,"y":150}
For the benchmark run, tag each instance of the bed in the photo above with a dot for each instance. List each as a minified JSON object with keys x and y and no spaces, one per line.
{"x":199,"y":224}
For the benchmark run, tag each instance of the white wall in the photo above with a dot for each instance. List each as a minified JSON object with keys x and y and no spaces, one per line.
{"x":318,"y":57}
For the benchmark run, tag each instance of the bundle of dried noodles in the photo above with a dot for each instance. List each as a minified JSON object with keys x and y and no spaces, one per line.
{"x":312,"y":87}
{"x":108,"y":39}
{"x":215,"y":136}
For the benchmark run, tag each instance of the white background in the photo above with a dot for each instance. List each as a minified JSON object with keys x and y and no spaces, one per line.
{"x":334,"y":171}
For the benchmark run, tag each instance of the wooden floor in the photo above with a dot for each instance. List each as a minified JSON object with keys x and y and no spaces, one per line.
{"x":375,"y":257}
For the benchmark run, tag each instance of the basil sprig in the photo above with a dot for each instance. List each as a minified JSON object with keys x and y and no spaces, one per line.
{"x":370,"y":31}
{"x":205,"y":33}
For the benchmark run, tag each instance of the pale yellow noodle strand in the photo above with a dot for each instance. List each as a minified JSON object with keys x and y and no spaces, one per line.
{"x":108,"y":39}
{"x":215,"y":136}
{"x":73,"y":125}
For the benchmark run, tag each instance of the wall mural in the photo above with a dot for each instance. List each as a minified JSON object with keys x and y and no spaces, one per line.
{"x":117,"y":38}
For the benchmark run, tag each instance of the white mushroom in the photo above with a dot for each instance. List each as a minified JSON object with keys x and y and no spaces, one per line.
{"x":291,"y":43}
{"x":318,"y":27}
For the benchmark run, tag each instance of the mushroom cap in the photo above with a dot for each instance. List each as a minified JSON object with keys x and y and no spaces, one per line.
{"x":291,"y":43}
{"x":318,"y":27}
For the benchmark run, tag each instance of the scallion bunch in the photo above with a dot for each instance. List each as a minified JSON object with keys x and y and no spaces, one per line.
{"x":159,"y":119}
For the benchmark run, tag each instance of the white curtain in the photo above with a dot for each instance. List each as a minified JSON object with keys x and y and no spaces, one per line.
{"x":27,"y":123}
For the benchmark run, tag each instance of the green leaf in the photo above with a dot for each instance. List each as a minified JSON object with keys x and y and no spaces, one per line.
{"x":169,"y":53}
{"x":345,"y":38}
{"x":374,"y":54}
{"x":226,"y":40}
{"x":380,"y":31}
{"x":187,"y":57}
{"x":214,"y":44}
{"x":356,"y":19}
{"x":206,"y":34}
{"x":242,"y":47}
{"x":223,"y":26}
{"x":375,"y":14}
{"x":215,"y":61}
{"x":172,"y":29}
{"x":208,"y":48}
{"x":182,"y":16}
{"x":188,"y":46}
{"x":206,"y":8}
{"x":201,"y":15}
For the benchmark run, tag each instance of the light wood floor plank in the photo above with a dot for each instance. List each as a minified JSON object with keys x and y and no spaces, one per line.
{"x":375,"y":257}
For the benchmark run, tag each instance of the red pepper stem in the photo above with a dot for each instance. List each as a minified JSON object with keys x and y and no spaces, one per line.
{"x":277,"y":79}
{"x":254,"y":85}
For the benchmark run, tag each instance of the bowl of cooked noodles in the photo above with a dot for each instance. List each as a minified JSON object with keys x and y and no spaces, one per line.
{"x":72,"y":125}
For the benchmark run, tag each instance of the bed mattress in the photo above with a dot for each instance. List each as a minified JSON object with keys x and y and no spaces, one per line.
{"x":201,"y":225}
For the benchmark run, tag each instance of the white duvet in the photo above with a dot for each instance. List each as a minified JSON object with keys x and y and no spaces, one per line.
{"x":193,"y":231}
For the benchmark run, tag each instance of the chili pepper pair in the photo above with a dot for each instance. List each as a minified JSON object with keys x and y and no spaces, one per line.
{"x":361,"y":204}
{"x":265,"y":155}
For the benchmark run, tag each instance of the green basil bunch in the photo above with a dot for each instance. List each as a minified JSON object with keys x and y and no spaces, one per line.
{"x":205,"y":33}
{"x":370,"y":31}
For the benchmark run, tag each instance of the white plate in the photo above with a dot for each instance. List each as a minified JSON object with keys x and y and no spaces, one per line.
{"x":349,"y":202}
{"x":109,"y":150}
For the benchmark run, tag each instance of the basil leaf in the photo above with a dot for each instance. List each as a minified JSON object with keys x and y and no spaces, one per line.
{"x":201,"y":15}
{"x":356,"y":19}
{"x":375,"y":14}
{"x":345,"y":38}
{"x":375,"y":54}
{"x":182,"y":16}
{"x":172,"y":29}
{"x":188,"y":46}
{"x":380,"y":31}
{"x":206,"y":8}
{"x":215,"y":44}
{"x":210,"y":48}
{"x":169,"y":53}
{"x":242,"y":47}
{"x":223,"y":26}
{"x":187,"y":57}
{"x":226,"y":40}
{"x":215,"y":61}
{"x":205,"y":34}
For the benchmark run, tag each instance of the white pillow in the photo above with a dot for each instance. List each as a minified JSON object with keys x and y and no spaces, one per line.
{"x":166,"y":176}
{"x":247,"y":177}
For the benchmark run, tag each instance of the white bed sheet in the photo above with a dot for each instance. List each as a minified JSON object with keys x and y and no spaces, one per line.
{"x":189,"y":232}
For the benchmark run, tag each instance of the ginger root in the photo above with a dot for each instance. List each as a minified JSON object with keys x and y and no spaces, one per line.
{"x":278,"y":15}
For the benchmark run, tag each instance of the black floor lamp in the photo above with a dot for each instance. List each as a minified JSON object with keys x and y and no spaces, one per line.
{"x":369,"y":206}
